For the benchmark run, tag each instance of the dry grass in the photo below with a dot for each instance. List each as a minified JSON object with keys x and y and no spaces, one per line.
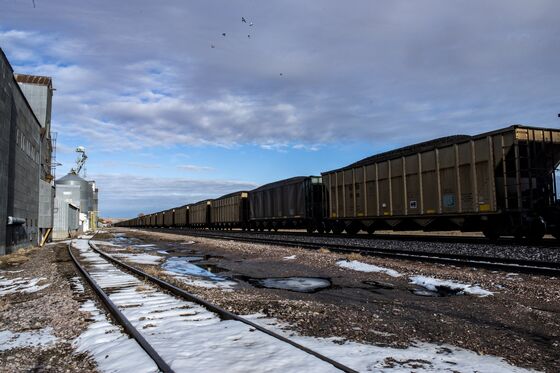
{"x":355,"y":256}
{"x":322,"y":250}
{"x":19,"y":257}
{"x":142,"y":288}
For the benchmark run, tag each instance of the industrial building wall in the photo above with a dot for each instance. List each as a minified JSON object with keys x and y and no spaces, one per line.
{"x":46,"y":204}
{"x":5,"y":115}
{"x":19,"y":162}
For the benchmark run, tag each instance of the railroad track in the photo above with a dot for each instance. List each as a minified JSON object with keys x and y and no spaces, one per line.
{"x":491,"y":263}
{"x":131,"y":289}
{"x":510,"y":241}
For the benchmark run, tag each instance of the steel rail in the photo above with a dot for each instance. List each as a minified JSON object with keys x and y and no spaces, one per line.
{"x":510,"y":241}
{"x":224,"y":314}
{"x":492,"y":263}
{"x":120,"y":317}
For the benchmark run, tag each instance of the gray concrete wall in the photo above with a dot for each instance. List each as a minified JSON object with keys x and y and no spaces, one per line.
{"x":20,"y":137}
{"x":5,"y":115}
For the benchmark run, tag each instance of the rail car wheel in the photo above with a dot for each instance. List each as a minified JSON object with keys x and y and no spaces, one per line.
{"x":491,"y":233}
{"x":337,"y":228}
{"x":321,"y":228}
{"x":537,"y":230}
{"x":370,"y":229}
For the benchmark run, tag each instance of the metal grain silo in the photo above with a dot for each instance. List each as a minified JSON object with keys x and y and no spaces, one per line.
{"x":86,"y":193}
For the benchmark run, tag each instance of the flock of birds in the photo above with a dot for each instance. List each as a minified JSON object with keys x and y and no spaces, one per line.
{"x":243,"y":20}
{"x":250,"y":24}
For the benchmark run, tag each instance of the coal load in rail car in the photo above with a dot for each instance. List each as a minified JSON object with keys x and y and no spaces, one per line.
{"x":501,"y":183}
{"x":292,"y":203}
{"x":199,"y":214}
{"x":230,"y":211}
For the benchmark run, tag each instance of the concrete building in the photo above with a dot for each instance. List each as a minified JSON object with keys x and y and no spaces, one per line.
{"x":38,"y":91}
{"x":24,"y":158}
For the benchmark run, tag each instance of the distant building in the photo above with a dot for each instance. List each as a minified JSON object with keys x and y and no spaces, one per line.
{"x":26,"y":190}
{"x":75,"y":191}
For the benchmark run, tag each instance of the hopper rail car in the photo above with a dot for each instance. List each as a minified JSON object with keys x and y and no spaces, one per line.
{"x":501,"y":183}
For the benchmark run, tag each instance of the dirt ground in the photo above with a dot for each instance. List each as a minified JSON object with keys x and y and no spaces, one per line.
{"x":519,"y":322}
{"x":54,"y":307}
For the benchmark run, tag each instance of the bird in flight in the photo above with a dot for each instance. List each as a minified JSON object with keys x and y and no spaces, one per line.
{"x":223,"y":34}
{"x":243,"y":20}
{"x":251,"y":24}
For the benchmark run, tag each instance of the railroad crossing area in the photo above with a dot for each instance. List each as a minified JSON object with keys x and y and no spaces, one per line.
{"x":131,"y":300}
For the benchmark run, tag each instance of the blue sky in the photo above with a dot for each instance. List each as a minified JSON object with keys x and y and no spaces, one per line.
{"x":171,"y":111}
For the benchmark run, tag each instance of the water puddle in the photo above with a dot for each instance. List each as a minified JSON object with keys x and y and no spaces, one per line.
{"x":121,"y":239}
{"x":440,"y":291}
{"x":298,"y":284}
{"x":182,"y":265}
{"x":210,"y":267}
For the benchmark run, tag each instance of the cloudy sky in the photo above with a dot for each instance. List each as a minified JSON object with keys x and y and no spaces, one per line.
{"x":171,"y":111}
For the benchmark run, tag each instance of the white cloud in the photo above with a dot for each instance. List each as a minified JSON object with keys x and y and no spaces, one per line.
{"x":195,"y":168}
{"x":145,"y":75}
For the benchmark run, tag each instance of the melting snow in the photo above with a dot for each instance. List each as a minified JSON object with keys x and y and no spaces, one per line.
{"x":291,"y":257}
{"x":105,"y":243}
{"x":42,"y":337}
{"x":187,"y":243}
{"x":77,"y":285}
{"x":419,"y":357}
{"x":140,"y":258}
{"x":433,"y":284}
{"x":364,"y":267}
{"x":21,"y":285}
{"x":112,"y":350}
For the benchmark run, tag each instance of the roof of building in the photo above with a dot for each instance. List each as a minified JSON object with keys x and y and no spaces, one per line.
{"x":33,"y":79}
{"x":70,"y":177}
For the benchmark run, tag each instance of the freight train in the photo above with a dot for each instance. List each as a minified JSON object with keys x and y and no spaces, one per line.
{"x":500,"y":183}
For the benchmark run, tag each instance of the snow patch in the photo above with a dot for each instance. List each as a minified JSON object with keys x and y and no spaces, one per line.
{"x":419,"y":357}
{"x":140,"y":258}
{"x":21,"y":285}
{"x":112,"y":350}
{"x":225,"y":285}
{"x":364,"y":267}
{"x":36,"y":338}
{"x":291,"y":257}
{"x":432,"y":284}
{"x":77,"y":285}
{"x":105,"y":243}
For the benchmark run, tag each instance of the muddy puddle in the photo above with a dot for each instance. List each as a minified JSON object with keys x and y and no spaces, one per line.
{"x":298,"y":284}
